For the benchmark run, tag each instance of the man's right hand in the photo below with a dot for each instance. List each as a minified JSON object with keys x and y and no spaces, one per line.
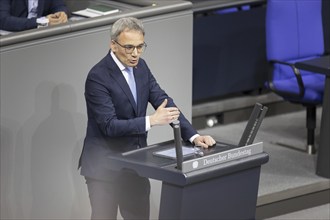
{"x":164,"y":115}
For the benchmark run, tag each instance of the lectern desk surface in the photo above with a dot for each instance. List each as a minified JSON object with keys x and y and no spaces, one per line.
{"x":145,"y":163}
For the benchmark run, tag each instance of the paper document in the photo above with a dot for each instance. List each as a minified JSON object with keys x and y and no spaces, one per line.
{"x":3,"y":32}
{"x":170,"y":152}
{"x":96,"y":10}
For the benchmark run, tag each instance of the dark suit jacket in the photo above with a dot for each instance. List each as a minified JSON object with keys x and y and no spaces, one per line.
{"x":13,"y":13}
{"x":115,"y":122}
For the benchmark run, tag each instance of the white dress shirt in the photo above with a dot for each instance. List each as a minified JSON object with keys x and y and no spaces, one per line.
{"x":33,"y":8}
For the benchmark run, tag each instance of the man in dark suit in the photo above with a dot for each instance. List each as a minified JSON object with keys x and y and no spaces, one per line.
{"x":19,"y":15}
{"x":117,"y":122}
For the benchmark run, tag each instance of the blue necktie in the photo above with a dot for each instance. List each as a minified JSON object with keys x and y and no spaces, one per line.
{"x":131,"y":81}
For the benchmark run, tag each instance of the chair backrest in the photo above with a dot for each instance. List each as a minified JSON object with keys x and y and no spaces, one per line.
{"x":294,"y":29}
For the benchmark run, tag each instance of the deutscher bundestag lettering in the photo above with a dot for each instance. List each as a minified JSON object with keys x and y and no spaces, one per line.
{"x":222,"y":157}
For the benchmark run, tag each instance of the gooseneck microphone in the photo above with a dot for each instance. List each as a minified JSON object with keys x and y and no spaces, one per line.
{"x":178,"y":144}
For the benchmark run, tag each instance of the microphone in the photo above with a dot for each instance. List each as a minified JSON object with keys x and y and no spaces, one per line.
{"x":178,"y":144}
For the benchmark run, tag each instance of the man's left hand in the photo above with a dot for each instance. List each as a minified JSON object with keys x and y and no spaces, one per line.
{"x":204,"y":141}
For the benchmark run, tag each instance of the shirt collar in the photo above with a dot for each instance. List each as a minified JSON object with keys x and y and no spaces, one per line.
{"x":119,"y":64}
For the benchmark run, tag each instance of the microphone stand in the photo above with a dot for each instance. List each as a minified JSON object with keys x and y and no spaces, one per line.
{"x":178,"y":144}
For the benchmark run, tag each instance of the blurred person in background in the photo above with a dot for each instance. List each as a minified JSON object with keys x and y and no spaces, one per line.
{"x":20,"y":15}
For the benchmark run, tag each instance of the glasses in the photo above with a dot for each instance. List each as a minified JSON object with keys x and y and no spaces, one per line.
{"x":130,"y":48}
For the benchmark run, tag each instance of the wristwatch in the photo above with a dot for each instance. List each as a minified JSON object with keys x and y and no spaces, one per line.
{"x":42,"y":22}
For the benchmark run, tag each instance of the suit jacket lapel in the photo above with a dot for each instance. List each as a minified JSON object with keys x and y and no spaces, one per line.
{"x":120,"y":79}
{"x":139,"y":86}
{"x":40,"y":9}
{"x":25,"y":9}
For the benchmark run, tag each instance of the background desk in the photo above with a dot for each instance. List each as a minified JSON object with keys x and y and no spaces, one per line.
{"x":322,"y":65}
{"x":229,"y":55}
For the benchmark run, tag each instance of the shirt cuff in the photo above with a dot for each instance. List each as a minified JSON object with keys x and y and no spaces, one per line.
{"x":148,"y":127}
{"x":193,"y":138}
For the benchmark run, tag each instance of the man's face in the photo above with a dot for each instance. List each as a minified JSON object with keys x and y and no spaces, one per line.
{"x":128,"y":39}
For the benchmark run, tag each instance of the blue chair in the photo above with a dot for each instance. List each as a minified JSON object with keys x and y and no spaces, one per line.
{"x":294,"y":33}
